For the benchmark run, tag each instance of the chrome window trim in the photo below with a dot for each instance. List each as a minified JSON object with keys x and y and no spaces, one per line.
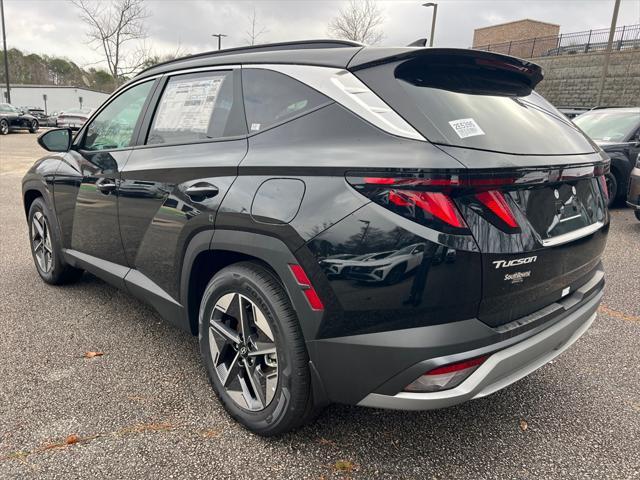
{"x":571,"y":236}
{"x":346,"y":89}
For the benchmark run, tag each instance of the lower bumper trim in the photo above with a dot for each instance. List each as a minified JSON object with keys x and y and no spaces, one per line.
{"x":499,"y":371}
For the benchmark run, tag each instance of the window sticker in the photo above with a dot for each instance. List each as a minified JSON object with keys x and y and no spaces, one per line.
{"x":255,"y":127}
{"x":188,"y":105}
{"x":466,"y":127}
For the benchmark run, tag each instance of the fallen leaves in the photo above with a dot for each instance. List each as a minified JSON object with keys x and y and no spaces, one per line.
{"x":344,"y":466}
{"x":523,"y":424}
{"x":210,"y":433}
{"x":93,"y":354}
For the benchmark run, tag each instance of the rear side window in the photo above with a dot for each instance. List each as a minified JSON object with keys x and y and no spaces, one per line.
{"x":468,"y":103}
{"x":193,"y":108}
{"x":271,"y":98}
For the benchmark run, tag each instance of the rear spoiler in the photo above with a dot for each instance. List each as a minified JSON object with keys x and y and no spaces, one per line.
{"x":530,"y":73}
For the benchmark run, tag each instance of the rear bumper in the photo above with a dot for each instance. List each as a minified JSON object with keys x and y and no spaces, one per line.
{"x":501,"y":369}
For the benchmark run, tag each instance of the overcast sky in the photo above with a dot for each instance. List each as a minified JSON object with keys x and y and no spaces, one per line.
{"x":52,"y":26}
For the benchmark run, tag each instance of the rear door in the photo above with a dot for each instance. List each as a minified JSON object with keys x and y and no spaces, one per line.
{"x":187,"y":158}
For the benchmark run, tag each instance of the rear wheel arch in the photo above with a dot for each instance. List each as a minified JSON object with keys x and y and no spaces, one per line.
{"x":209,"y":252}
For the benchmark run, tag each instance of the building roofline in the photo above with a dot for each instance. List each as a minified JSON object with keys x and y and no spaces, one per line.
{"x":516,"y":21}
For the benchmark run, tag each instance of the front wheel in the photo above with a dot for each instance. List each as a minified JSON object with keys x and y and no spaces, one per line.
{"x":4,"y":127}
{"x":46,"y":247}
{"x":253,"y":350}
{"x":33,"y":126}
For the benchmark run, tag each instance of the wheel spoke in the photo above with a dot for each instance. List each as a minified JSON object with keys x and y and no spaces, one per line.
{"x":245,"y":326}
{"x":38,"y":246}
{"x":256,"y":385}
{"x":39,"y":227}
{"x":261,"y":322}
{"x":233,"y":369}
{"x":263,"y":349}
{"x":225,"y":332}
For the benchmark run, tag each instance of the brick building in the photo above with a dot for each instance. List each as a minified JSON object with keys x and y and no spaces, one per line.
{"x":507,"y":36}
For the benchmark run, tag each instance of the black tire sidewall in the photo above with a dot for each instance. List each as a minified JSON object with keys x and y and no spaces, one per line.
{"x":33,"y":129}
{"x":613,"y":196}
{"x":3,"y":121}
{"x":292,"y":391}
{"x":54,"y":275}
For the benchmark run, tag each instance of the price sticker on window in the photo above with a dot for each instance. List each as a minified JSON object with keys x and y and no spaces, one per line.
{"x":466,"y":127}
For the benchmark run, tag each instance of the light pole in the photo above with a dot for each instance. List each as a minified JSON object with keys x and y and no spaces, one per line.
{"x":219,"y":35}
{"x":433,"y":20}
{"x":6,"y":57}
{"x":607,"y":55}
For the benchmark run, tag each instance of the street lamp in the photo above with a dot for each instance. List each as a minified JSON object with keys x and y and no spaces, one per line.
{"x":219,"y":35}
{"x":433,"y":20}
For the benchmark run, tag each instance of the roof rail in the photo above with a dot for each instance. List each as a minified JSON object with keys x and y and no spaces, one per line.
{"x":267,"y":47}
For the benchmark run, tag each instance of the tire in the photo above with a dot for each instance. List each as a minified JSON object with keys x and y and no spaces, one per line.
{"x":612,"y":188}
{"x":48,"y":257}
{"x":637,"y":213}
{"x":252,"y":287}
{"x":4,"y":127}
{"x":33,"y":126}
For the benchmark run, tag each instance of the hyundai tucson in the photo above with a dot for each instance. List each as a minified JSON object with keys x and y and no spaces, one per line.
{"x":221,"y":188}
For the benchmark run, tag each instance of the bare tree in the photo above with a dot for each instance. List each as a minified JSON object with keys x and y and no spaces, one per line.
{"x":360,"y":21}
{"x":255,"y":30}
{"x":113,"y":25}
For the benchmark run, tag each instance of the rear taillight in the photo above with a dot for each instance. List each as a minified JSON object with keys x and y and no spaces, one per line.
{"x":603,"y":185}
{"x":431,"y":199}
{"x":446,"y":376}
{"x":423,"y":200}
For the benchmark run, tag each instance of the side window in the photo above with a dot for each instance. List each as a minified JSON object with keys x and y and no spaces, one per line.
{"x":194,"y":107}
{"x":272,"y":97}
{"x":113,"y":127}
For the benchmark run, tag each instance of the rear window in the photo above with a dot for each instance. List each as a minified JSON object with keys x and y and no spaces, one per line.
{"x":464,"y":103}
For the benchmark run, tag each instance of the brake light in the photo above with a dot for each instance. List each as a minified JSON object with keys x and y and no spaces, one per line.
{"x":446,"y":376}
{"x":303,"y":280}
{"x":603,"y":184}
{"x":494,"y":200}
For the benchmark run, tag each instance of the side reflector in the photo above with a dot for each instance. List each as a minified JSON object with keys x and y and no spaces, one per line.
{"x":308,"y":290}
{"x":454,"y":367}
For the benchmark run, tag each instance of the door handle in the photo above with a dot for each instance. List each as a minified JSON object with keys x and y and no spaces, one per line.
{"x":106,"y":185}
{"x":201,"y":190}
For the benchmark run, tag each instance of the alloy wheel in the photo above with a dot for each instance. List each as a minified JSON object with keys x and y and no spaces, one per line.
{"x":4,"y":128}
{"x":243,"y":351}
{"x":41,"y":242}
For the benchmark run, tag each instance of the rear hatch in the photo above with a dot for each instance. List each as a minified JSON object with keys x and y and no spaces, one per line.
{"x":533,"y":195}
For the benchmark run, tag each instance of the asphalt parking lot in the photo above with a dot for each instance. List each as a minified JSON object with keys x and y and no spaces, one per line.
{"x":144,"y":409}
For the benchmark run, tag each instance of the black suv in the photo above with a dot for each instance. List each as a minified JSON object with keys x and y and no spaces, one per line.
{"x":466,"y":218}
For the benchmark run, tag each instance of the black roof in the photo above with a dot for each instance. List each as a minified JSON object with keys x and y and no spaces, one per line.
{"x":337,"y":54}
{"x":326,"y":53}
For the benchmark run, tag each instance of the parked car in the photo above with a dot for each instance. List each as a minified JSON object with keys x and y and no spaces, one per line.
{"x":12,"y":118}
{"x":390,"y":268}
{"x":339,"y":265}
{"x":44,"y":120}
{"x":73,"y":118}
{"x":633,"y":198}
{"x":617,"y":132}
{"x":288,"y":151}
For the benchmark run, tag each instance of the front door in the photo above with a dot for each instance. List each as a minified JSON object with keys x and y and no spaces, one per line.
{"x":87,"y":182}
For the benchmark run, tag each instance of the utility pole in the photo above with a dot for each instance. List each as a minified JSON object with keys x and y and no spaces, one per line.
{"x":433,"y":20}
{"x":6,"y":57}
{"x":219,"y":35}
{"x":607,"y":55}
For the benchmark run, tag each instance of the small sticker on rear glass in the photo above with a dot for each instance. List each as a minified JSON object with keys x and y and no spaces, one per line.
{"x":466,"y":127}
{"x":255,"y":127}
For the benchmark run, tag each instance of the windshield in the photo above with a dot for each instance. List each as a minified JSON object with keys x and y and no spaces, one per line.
{"x":608,"y":126}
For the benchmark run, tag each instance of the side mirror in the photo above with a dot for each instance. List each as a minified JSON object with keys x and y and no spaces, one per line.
{"x":56,"y":140}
